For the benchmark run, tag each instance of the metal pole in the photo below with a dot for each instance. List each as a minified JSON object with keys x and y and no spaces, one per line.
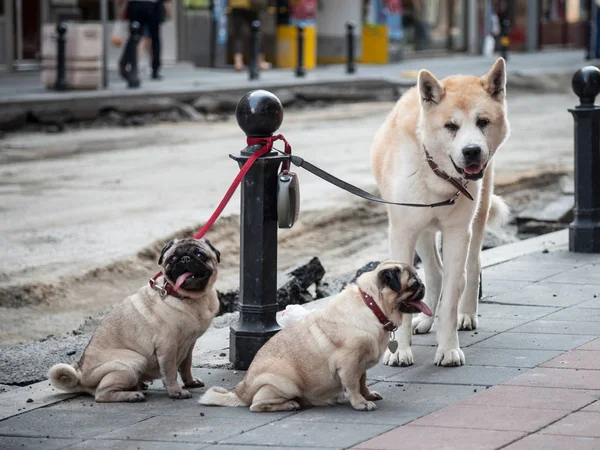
{"x":504,"y":39}
{"x":61,"y":31}
{"x":350,"y":66}
{"x":300,"y":71}
{"x":584,"y":231}
{"x":104,"y":18}
{"x":259,"y":114}
{"x":253,"y":72}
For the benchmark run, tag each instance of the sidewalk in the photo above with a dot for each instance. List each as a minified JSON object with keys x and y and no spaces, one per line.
{"x":532,"y":380}
{"x":184,"y":82}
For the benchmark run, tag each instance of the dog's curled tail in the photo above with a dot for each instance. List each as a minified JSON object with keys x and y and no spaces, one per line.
{"x":499,"y":212}
{"x":64,"y":377}
{"x":218,"y":396}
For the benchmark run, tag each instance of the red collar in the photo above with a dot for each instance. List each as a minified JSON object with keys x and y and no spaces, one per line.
{"x":462,"y":188}
{"x":388,"y":325}
{"x":165,"y":290}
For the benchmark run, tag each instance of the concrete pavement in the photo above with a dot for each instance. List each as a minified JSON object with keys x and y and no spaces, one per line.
{"x":532,"y":380}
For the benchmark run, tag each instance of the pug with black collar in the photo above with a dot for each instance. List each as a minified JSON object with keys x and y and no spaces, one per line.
{"x":152,"y":333}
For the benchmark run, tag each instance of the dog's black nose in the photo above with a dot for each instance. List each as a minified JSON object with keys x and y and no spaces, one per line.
{"x":185,"y":259}
{"x":471,"y":152}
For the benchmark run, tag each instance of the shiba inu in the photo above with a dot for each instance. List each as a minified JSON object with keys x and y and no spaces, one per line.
{"x":438,"y":143}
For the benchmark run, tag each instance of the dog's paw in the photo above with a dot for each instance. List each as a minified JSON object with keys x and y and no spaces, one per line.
{"x":194,"y":383}
{"x":366,"y":406}
{"x":374,"y":395}
{"x":422,"y":324}
{"x":449,"y":358}
{"x":291,"y":405}
{"x":182,"y":394}
{"x":136,"y":397}
{"x":401,"y":357}
{"x":467,"y":322}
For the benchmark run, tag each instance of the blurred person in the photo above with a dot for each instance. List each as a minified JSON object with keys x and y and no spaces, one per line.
{"x":147,"y":13}
{"x":145,"y":48}
{"x":243,"y":13}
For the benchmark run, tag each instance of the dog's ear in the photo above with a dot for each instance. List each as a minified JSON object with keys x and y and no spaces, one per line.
{"x":431,"y":90}
{"x":217,"y":252}
{"x":495,"y":80}
{"x":164,"y":250}
{"x":391,"y":279}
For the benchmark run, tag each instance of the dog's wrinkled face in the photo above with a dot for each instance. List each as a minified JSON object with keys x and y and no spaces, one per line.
{"x":401,"y":286}
{"x":463,"y":120}
{"x":189,"y":264}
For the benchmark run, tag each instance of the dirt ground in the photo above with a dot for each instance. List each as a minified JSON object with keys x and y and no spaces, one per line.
{"x":84,"y":213}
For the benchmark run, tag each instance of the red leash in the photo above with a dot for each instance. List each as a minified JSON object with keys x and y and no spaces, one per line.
{"x":267,"y":143}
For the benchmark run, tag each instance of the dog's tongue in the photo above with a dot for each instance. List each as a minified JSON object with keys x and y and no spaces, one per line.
{"x":473,"y":169}
{"x":421,"y":307}
{"x":181,"y":279}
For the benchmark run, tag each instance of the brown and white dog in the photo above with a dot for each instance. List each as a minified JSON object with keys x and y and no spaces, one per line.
{"x":313,"y":361}
{"x":152,"y":333}
{"x":454,"y":126}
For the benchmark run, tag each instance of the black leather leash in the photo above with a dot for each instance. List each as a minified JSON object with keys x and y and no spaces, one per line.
{"x":300,"y":162}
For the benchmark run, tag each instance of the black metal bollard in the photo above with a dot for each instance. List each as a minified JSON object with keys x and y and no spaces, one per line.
{"x":350,"y":65}
{"x":61,"y":56}
{"x":131,"y":56}
{"x":584,"y":231}
{"x":504,"y":39}
{"x":253,"y":72}
{"x":300,"y":71}
{"x":259,"y":114}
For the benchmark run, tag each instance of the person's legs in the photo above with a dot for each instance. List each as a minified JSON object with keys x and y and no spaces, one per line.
{"x":154,"y":29}
{"x":238,"y":24}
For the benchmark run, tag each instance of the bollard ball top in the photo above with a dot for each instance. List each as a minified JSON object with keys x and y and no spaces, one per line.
{"x":256,"y":25}
{"x":135,"y":27}
{"x":61,"y":27}
{"x":586,"y":84}
{"x":259,"y":113}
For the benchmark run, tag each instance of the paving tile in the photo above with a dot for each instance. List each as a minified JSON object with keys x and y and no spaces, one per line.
{"x":46,"y":422}
{"x":547,"y":442}
{"x":422,"y":394}
{"x":576,"y":314}
{"x":262,"y":447}
{"x":498,"y":311}
{"x":27,"y":443}
{"x":499,"y":325}
{"x":503,"y":418}
{"x":310,"y":434}
{"x":188,"y":429}
{"x":587,"y":274}
{"x":561,"y":378}
{"x":481,"y":356}
{"x":576,"y":424}
{"x":535,"y":341}
{"x":594,"y":407}
{"x":101,"y":444}
{"x":592,"y":345}
{"x":381,"y":372}
{"x":549,"y":294}
{"x":533,"y":397}
{"x":516,"y":271}
{"x":465,"y":338}
{"x":436,"y":438}
{"x":464,"y":375}
{"x":388,"y":412}
{"x":576,"y":359}
{"x":492,"y":287}
{"x":594,"y":303}
{"x":558,"y":327}
{"x":193,"y":409}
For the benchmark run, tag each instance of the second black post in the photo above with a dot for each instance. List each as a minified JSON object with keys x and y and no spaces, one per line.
{"x":300,"y":71}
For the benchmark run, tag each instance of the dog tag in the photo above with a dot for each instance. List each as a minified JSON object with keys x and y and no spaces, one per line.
{"x":393,"y":346}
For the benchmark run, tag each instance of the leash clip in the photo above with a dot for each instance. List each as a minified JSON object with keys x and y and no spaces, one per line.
{"x":160,"y":289}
